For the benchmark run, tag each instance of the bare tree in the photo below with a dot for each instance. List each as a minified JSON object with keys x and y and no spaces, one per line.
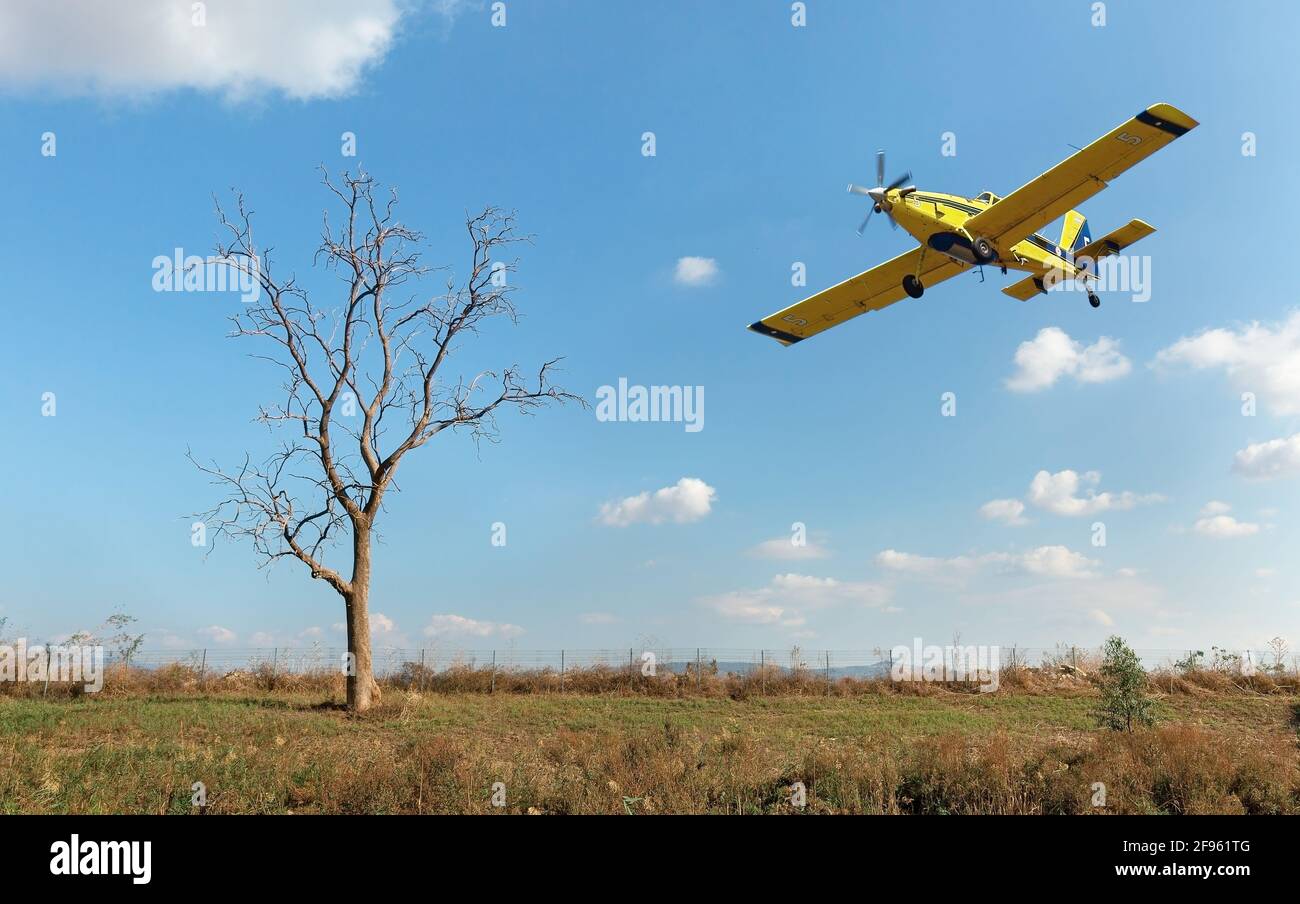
{"x":380,"y":357}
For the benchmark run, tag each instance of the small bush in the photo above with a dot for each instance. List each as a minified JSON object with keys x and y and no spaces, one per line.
{"x":1124,"y":702}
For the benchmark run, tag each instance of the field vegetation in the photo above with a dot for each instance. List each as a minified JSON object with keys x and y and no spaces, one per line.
{"x":612,"y":741}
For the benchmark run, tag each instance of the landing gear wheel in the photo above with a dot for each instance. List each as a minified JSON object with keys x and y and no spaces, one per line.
{"x":1094,"y":300}
{"x":912,"y":286}
{"x":984,"y":251}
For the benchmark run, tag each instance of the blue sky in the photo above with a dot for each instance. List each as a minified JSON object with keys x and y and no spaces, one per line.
{"x":758,"y":127}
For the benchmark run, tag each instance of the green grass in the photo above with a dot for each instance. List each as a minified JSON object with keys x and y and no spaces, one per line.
{"x":559,"y":752}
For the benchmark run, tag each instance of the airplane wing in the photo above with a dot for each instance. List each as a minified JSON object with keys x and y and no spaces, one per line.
{"x":1078,"y":177}
{"x":1027,"y":288}
{"x":870,"y":291}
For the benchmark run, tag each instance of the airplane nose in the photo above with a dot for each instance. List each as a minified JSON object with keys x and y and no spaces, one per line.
{"x":876,"y":194}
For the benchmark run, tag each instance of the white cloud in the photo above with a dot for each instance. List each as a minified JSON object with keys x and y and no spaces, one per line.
{"x":912,"y":563}
{"x":448,"y":625}
{"x":315,"y":631}
{"x":303,"y":49}
{"x":262,"y":639}
{"x":1224,"y":526}
{"x":783,"y":548}
{"x":1214,"y":507}
{"x":597,"y":618}
{"x":1076,"y":607}
{"x":217,"y":634}
{"x":789,"y":598}
{"x":385,"y":632}
{"x":1256,"y":358}
{"x":1056,"y":562}
{"x":1008,"y":511}
{"x":695,"y":271}
{"x":1264,"y":461}
{"x":753,"y":606}
{"x":1059,"y":493}
{"x":167,"y":639}
{"x":1043,"y":561}
{"x":690,"y":499}
{"x":1052,"y":354}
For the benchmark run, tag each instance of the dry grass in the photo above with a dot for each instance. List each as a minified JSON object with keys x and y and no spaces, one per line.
{"x":1219,"y":681}
{"x":1054,"y":678}
{"x":276,"y":744}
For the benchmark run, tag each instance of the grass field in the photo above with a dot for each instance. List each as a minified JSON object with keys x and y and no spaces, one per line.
{"x":291,"y":752}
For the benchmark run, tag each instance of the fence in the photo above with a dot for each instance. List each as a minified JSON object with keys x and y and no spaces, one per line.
{"x":835,"y":664}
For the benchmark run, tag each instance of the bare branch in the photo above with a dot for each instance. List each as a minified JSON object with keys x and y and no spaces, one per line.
{"x":369,"y":366}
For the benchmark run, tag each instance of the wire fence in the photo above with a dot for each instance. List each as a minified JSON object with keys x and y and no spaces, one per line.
{"x":861,"y":663}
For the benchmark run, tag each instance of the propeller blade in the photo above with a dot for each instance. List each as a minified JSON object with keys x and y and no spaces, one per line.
{"x":870,"y":211}
{"x":858,"y":190}
{"x":880,"y":167}
{"x":899,"y":181}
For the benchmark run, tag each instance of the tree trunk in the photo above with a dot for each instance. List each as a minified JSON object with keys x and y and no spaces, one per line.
{"x":362,"y":689}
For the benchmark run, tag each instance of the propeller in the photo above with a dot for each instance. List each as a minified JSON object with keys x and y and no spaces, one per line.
{"x":878,"y":195}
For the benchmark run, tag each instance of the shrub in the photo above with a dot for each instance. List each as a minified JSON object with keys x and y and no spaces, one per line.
{"x":1123,"y":688}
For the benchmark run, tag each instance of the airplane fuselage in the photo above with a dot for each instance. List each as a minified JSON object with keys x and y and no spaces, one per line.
{"x":937,"y":221}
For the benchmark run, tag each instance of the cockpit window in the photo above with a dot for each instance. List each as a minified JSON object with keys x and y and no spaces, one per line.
{"x":987,"y":197}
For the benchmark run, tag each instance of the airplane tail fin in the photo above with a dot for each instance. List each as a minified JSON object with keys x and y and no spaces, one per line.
{"x":1074,"y":232}
{"x":1085,"y":258}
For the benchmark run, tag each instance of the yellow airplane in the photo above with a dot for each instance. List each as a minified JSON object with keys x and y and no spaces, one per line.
{"x":958,"y":233}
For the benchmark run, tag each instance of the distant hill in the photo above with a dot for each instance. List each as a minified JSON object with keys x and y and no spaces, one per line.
{"x":872,"y":670}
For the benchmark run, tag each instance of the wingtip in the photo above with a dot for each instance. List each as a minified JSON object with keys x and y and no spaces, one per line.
{"x":780,"y":336}
{"x":1170,"y":113}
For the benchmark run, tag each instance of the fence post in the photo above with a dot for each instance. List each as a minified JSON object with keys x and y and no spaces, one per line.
{"x":423,"y":682}
{"x":203,"y":666}
{"x":275,"y":659}
{"x":561,"y":671}
{"x":1074,"y":658}
{"x":762,"y":668}
{"x":699,"y":674}
{"x":493,"y":689}
{"x":828,"y":673}
{"x":631,"y":669}
{"x":49,"y":661}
